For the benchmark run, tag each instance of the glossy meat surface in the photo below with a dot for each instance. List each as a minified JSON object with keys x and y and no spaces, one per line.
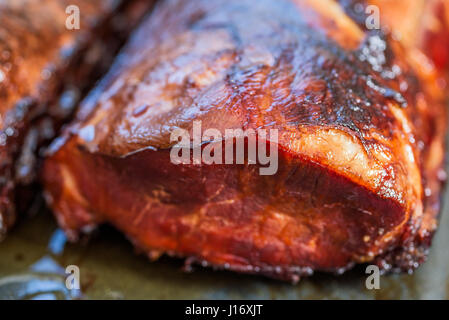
{"x":361,"y":141}
{"x":44,"y":70}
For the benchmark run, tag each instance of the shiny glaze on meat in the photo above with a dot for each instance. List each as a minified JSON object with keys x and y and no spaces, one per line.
{"x":361,"y":129}
{"x":40,"y":60}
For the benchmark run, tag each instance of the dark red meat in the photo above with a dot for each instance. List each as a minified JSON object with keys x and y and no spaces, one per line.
{"x":45,"y":68}
{"x":361,"y":119}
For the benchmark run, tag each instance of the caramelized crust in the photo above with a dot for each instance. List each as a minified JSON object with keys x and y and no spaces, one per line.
{"x":361,"y":141}
{"x":40,"y":60}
